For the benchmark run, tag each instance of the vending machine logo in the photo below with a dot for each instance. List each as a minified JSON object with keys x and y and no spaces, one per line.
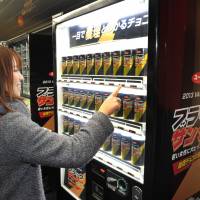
{"x":185,"y":138}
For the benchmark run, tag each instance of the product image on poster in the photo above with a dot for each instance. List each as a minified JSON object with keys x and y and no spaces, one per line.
{"x":75,"y":180}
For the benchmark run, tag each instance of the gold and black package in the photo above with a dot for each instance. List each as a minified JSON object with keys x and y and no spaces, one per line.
{"x":65,"y":95}
{"x":76,"y":68}
{"x":69,"y":65}
{"x":128,"y":107}
{"x":63,"y":63}
{"x":117,"y":63}
{"x":98,"y":100}
{"x":107,"y":144}
{"x":77,"y":97}
{"x":116,"y":144}
{"x":71,"y":127}
{"x":98,"y":64}
{"x":83,"y":100}
{"x":107,"y":63}
{"x":105,"y":96}
{"x":91,"y":100}
{"x":82,"y":64}
{"x":126,"y":147}
{"x":141,"y":62}
{"x":90,"y":64}
{"x":129,"y":62}
{"x":65,"y":124}
{"x":119,"y":113}
{"x":140,"y":109}
{"x":137,"y":152}
{"x":77,"y":125}
{"x":70,"y":97}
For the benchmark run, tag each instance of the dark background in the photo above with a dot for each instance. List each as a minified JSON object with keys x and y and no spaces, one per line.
{"x":22,"y":16}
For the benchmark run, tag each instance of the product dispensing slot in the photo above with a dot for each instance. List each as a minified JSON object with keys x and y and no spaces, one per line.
{"x":76,"y":112}
{"x":131,"y":131}
{"x":131,"y":174}
{"x":119,"y":168}
{"x":78,"y":79}
{"x":135,"y":125}
{"x":109,"y":81}
{"x":77,"y":109}
{"x":109,"y":163}
{"x":100,"y":158}
{"x":78,"y":115}
{"x":126,"y":121}
{"x":64,"y":76}
{"x":119,"y":127}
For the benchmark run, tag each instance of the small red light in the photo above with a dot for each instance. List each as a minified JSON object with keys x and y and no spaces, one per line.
{"x":51,"y":74}
{"x":20,"y":20}
{"x":102,"y":170}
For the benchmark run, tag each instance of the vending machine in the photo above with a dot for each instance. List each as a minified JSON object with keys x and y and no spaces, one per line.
{"x":37,"y":69}
{"x":143,"y":46}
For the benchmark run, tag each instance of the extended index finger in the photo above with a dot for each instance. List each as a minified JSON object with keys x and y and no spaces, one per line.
{"x":116,"y":91}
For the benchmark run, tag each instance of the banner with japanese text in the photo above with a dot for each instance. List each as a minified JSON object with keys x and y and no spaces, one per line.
{"x":124,"y":28}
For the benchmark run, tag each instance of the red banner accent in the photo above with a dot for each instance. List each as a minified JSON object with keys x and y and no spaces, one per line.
{"x":46,"y":114}
{"x":185,"y":163}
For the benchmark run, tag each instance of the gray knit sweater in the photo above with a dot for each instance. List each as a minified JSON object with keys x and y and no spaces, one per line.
{"x":24,"y":146}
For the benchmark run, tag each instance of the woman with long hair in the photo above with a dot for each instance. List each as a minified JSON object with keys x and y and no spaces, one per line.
{"x":24,"y":145}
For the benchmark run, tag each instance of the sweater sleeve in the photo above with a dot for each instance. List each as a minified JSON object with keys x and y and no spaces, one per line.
{"x":33,"y":144}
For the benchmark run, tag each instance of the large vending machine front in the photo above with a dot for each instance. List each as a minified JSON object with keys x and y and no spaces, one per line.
{"x":153,"y":152}
{"x":99,"y":47}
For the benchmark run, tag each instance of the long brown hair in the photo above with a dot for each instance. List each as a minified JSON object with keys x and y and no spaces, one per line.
{"x":7,"y":58}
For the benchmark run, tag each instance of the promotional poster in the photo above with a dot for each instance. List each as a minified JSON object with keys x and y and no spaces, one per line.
{"x":179,"y":101}
{"x":43,"y":102}
{"x":75,"y":180}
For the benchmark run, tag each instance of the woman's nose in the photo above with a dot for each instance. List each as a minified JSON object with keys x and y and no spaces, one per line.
{"x":21,"y":76}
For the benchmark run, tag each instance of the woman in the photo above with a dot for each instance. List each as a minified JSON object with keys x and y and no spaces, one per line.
{"x":24,"y":145}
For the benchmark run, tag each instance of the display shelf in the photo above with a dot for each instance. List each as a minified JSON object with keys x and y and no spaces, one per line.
{"x":102,"y":88}
{"x":118,"y":158}
{"x":129,"y":82}
{"x":119,"y":120}
{"x":134,"y":127}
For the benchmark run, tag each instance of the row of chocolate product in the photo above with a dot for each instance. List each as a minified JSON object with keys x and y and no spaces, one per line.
{"x":133,"y":107}
{"x":126,"y":147}
{"x":70,"y":125}
{"x":131,"y":62}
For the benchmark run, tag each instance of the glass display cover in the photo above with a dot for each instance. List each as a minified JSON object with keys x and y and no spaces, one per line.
{"x":95,"y":53}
